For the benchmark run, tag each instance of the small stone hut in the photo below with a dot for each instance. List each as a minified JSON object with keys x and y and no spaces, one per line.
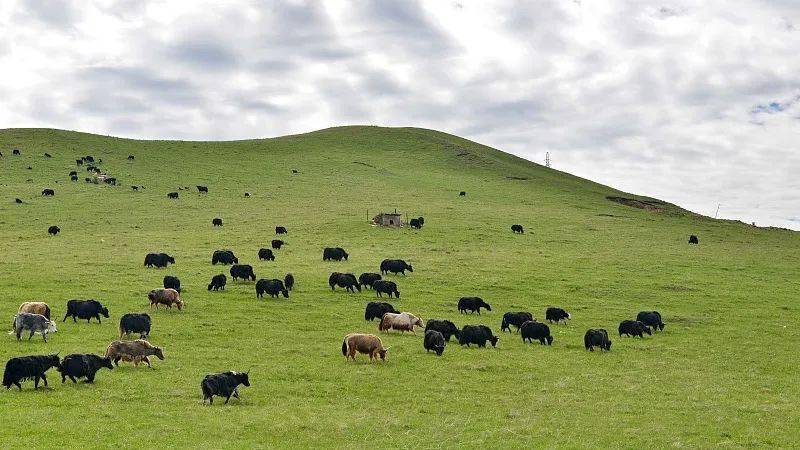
{"x":388,"y":219}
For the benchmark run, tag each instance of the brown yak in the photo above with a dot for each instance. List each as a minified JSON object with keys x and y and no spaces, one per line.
{"x":403,"y":321}
{"x":368,"y":344}
{"x":165,"y":297}
{"x":136,"y":351}
{"x":35,"y":308}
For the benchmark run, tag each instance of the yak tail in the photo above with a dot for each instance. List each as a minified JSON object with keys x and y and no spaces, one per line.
{"x":344,"y":347}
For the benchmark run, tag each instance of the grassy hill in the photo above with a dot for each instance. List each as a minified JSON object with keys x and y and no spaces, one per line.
{"x":723,"y":373}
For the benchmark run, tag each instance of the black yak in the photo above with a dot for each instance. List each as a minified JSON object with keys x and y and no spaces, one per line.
{"x":434,"y":341}
{"x":243,"y":272}
{"x":86,"y":366}
{"x":171,"y":282}
{"x":516,"y":319}
{"x":368,"y":279}
{"x":651,"y":319}
{"x":272,"y":287}
{"x":531,"y":331}
{"x":395,"y":266}
{"x":24,"y":368}
{"x":477,"y":334}
{"x":344,"y":280}
{"x":597,"y":338}
{"x":472,"y":304}
{"x":443,"y":326}
{"x":135,"y":323}
{"x":556,"y":315}
{"x":376,"y":310}
{"x":633,"y":328}
{"x":334,"y":254}
{"x":218,"y":282}
{"x":85,"y":309}
{"x":223,"y":385}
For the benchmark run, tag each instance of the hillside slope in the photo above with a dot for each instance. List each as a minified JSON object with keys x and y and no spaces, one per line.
{"x":720,"y":374}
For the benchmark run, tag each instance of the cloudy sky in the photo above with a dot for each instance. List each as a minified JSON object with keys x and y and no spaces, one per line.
{"x":693,"y":102}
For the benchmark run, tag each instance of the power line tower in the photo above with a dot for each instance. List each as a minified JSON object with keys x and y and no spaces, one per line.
{"x":716,"y":214}
{"x":547,"y":159}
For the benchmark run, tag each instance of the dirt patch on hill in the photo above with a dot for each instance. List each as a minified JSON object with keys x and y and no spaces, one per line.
{"x":363,"y":164}
{"x":517,"y":178}
{"x":649,"y":205}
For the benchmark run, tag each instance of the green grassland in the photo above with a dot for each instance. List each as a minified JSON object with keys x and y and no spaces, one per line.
{"x":723,"y":373}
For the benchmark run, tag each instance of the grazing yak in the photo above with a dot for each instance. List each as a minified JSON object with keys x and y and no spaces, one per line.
{"x":158,"y":260}
{"x":288,"y":281}
{"x":272,"y":287}
{"x":242,"y":272}
{"x":386,"y":287}
{"x":171,"y":282}
{"x":516,"y":319}
{"x":15,"y":152}
{"x":280,"y":230}
{"x":556,"y":315}
{"x":73,"y":178}
{"x":478,"y":335}
{"x":48,"y":192}
{"x":651,"y":319}
{"x":597,"y":338}
{"x":53,"y":230}
{"x":135,"y":351}
{"x":135,"y":323}
{"x":693,"y":239}
{"x":277,"y":244}
{"x":85,"y":309}
{"x":395,"y":266}
{"x":111,"y":181}
{"x":223,"y":384}
{"x":131,"y":157}
{"x":224,"y":257}
{"x":516,"y":228}
{"x":367,"y":344}
{"x":472,"y":304}
{"x":36,"y":323}
{"x":531,"y":330}
{"x":218,"y":282}
{"x":414,"y":223}
{"x":334,"y":254}
{"x":434,"y":341}
{"x":18,"y":201}
{"x":202,"y":189}
{"x":172,"y":195}
{"x":79,"y":365}
{"x":167,"y":297}
{"x":344,"y":280}
{"x":633,"y":328}
{"x":462,"y":193}
{"x":24,"y":368}
{"x":217,"y":222}
{"x":266,"y":254}
{"x":247,"y":195}
{"x":403,"y":322}
{"x":35,"y":308}
{"x":48,"y":155}
{"x":368,"y":279}
{"x":443,"y":326}
{"x":376,"y":310}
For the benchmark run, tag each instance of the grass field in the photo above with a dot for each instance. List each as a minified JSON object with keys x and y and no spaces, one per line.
{"x":723,"y":372}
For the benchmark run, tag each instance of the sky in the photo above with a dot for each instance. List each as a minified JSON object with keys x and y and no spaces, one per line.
{"x":696,"y":103}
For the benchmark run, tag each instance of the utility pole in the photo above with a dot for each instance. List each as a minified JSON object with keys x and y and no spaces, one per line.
{"x":717,"y":213}
{"x":547,"y":159}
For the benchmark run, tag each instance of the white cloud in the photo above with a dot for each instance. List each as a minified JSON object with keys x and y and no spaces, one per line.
{"x":692,"y":102}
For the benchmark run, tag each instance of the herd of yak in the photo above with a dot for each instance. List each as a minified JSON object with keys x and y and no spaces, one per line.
{"x":34,"y":317}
